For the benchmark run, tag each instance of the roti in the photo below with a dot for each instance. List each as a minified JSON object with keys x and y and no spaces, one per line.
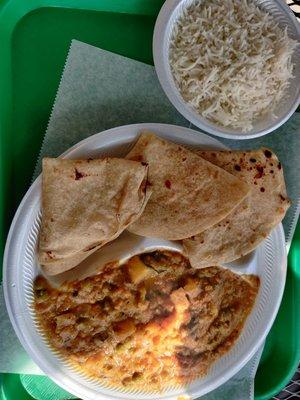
{"x":85,"y":204}
{"x":251,"y":222}
{"x":189,"y":194}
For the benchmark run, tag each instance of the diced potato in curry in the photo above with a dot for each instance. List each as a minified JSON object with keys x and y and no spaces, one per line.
{"x":147,"y":322}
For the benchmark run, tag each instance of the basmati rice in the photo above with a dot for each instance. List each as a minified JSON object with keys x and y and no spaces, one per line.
{"x":230,"y":61}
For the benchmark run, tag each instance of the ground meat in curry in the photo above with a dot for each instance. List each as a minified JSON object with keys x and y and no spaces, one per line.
{"x":151,"y":322}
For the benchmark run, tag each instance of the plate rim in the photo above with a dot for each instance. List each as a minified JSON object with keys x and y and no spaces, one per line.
{"x":7,"y":295}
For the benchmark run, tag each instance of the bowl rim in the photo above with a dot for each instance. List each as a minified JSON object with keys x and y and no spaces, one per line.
{"x":162,"y":29}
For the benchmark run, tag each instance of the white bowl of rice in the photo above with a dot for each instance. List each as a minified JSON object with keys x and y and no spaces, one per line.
{"x":231,"y":67}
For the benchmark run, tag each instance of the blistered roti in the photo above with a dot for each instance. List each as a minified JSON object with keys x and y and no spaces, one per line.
{"x":85,"y":204}
{"x":251,"y":222}
{"x":189,"y":194}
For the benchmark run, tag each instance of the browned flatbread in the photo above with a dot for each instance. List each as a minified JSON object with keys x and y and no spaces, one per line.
{"x":189,"y":194}
{"x":252,"y":221}
{"x":85,"y":204}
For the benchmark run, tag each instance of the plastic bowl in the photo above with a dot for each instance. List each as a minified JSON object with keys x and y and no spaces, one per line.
{"x":169,"y":14}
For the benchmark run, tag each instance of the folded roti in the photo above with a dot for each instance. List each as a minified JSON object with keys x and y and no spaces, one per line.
{"x":85,"y":204}
{"x":189,"y":194}
{"x":252,"y":221}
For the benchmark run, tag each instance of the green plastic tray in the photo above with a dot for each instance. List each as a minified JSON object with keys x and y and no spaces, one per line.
{"x":34,"y":39}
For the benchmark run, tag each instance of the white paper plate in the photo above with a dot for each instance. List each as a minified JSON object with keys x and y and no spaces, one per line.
{"x":20,"y":269}
{"x":166,"y":20}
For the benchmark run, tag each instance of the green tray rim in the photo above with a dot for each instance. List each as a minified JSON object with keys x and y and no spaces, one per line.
{"x":12,"y":11}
